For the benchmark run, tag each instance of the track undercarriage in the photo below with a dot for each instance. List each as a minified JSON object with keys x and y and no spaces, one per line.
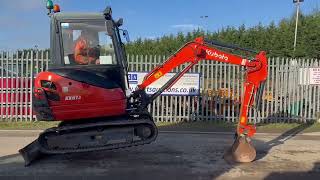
{"x":92,"y":136}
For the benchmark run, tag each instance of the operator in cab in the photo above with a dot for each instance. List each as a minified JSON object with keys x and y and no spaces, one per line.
{"x":87,"y":50}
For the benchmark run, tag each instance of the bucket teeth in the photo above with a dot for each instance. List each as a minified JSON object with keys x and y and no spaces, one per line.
{"x":241,"y":151}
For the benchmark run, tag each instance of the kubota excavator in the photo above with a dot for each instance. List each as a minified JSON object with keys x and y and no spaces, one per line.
{"x":92,"y":100}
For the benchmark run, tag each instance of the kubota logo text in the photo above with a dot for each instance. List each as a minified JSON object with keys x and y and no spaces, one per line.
{"x":215,"y":54}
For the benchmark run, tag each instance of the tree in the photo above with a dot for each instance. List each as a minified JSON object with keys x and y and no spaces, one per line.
{"x":276,"y":39}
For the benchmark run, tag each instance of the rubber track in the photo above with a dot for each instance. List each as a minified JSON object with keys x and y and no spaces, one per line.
{"x":122,"y":123}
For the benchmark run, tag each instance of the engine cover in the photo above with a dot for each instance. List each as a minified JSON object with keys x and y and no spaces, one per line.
{"x":78,"y":94}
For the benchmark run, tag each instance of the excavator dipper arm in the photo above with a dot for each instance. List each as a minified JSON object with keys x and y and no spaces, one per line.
{"x":200,"y":49}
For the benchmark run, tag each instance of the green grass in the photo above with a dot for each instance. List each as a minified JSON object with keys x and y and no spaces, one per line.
{"x":23,"y":125}
{"x":197,"y":126}
{"x":230,"y":127}
{"x":280,"y":127}
{"x":185,"y":126}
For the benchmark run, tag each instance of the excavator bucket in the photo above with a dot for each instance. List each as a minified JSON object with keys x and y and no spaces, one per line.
{"x":241,"y":151}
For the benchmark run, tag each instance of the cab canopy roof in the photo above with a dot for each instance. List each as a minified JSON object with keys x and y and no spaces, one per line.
{"x":78,"y":16}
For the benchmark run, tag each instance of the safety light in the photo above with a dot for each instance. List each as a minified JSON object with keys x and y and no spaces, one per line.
{"x":49,"y":4}
{"x":56,"y":8}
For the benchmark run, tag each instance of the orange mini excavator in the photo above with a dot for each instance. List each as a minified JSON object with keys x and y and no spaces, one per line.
{"x":92,"y":100}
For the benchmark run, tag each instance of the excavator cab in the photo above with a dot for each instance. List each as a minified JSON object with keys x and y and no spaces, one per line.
{"x":99,"y":33}
{"x":87,"y":74}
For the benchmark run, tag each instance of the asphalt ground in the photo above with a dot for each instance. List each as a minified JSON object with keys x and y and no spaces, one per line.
{"x":174,"y":155}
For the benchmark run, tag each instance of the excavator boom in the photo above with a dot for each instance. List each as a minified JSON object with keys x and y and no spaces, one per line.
{"x":200,"y":49}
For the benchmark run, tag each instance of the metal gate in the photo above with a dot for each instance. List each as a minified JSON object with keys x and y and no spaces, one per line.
{"x":289,"y":96}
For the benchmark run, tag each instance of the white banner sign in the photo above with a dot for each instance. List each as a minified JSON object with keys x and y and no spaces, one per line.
{"x":314,"y":76}
{"x":188,"y":84}
{"x":309,"y":76}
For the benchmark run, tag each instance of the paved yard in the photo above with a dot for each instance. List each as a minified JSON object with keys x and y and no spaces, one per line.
{"x":173,"y":156}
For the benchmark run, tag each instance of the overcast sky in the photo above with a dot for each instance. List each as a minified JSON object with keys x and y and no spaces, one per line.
{"x":24,"y":24}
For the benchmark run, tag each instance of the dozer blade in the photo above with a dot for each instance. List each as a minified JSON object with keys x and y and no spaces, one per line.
{"x":31,"y":152}
{"x":241,"y":151}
